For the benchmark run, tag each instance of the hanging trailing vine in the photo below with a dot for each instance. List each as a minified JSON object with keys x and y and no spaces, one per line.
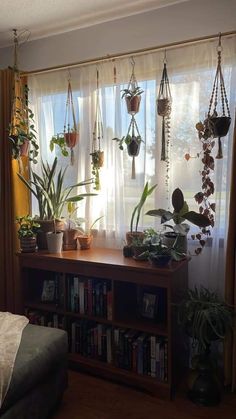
{"x":22,"y":133}
{"x":97,"y":154}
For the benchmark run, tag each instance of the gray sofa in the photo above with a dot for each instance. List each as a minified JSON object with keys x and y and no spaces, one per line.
{"x":39,"y":376}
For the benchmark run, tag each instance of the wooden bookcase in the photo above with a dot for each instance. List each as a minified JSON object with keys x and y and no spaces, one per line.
{"x":128,"y":283}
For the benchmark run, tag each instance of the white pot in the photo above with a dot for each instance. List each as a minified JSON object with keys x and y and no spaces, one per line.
{"x":54,"y":241}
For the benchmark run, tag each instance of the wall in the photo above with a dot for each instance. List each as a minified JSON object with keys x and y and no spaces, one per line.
{"x":178,"y":22}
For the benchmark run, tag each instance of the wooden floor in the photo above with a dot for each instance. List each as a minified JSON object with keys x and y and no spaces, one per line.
{"x":88,"y":397}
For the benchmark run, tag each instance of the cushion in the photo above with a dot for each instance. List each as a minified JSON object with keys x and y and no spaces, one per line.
{"x":42,"y":350}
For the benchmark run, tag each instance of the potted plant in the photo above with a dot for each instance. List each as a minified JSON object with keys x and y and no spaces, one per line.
{"x":27,"y":231}
{"x":22,"y":132}
{"x":59,"y":140}
{"x":97,"y":163}
{"x":179,"y":215}
{"x":54,"y":240}
{"x":132,"y":97}
{"x":52,"y":197}
{"x":86,"y":239}
{"x":132,"y":143}
{"x":205,"y":318}
{"x":135,"y":217}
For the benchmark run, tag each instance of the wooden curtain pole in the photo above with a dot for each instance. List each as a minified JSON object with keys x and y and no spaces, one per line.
{"x":129,"y":54}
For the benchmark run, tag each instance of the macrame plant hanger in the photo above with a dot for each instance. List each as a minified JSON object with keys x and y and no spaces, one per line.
{"x":97,"y":154}
{"x":133,"y":146}
{"x":164,"y":100}
{"x":71,"y":134}
{"x":219,"y":124}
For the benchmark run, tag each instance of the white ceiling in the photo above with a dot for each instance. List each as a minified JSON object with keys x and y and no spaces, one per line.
{"x":48,"y":17}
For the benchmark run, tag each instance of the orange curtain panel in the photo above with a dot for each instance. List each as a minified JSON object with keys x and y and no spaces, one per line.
{"x":14,"y":200}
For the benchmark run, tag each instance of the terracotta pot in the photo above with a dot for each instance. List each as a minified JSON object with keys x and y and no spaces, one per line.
{"x":220,"y":125}
{"x":54,"y":241}
{"x":133,"y":147}
{"x":28,"y":244}
{"x":71,"y":139}
{"x":70,"y":239}
{"x":163,"y":106}
{"x":45,"y":227}
{"x":100,"y":158}
{"x":131,"y":234}
{"x":133,"y":104}
{"x":85,"y":241}
{"x":24,"y":148}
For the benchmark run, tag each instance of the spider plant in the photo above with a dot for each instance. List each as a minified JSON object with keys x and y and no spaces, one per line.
{"x":50,"y":193}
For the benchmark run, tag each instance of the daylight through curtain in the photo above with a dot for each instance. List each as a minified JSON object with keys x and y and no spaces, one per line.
{"x":191,"y":73}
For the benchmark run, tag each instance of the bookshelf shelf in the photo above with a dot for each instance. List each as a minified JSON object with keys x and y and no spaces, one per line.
{"x":118,"y":313}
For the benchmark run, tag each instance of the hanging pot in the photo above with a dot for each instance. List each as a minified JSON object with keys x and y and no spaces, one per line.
{"x":71,"y":139}
{"x":220,"y":125}
{"x":163,"y":106}
{"x":28,"y":244}
{"x":133,"y":147}
{"x":133,"y":104}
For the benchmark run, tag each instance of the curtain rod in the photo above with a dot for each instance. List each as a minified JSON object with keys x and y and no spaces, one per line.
{"x":128,"y":54}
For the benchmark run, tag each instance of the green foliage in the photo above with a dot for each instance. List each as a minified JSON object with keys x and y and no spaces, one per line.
{"x":50,"y":193}
{"x":59,"y":140}
{"x":96,"y":166}
{"x":129,"y":93}
{"x":204,"y":316}
{"x":22,"y":128}
{"x":180,"y":214}
{"x":127,"y":140}
{"x":28,"y":226}
{"x":137,"y":209}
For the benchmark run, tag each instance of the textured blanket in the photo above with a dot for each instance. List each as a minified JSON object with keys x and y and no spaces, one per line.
{"x":11,"y":328}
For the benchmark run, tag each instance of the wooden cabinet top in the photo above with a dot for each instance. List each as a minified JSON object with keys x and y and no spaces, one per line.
{"x":100,"y":257}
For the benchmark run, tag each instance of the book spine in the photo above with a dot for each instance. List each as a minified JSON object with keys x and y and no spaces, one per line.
{"x":109,"y":305}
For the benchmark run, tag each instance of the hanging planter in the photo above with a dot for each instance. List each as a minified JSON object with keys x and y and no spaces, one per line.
{"x":132,"y":94}
{"x":133,"y":141}
{"x":70,"y":136}
{"x":216,"y":125}
{"x":164,"y":109}
{"x":97,"y":154}
{"x":22,"y":133}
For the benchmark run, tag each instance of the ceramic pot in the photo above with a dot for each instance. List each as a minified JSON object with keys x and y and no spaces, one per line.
{"x":85,"y":241}
{"x":160,"y":260}
{"x":28,"y":244}
{"x":127,"y":251}
{"x":71,"y":139}
{"x":204,"y":387}
{"x":133,"y":234}
{"x":220,"y":125}
{"x":170,"y":238}
{"x":138,"y":250}
{"x":54,"y":241}
{"x":163,"y":106}
{"x":70,"y":239}
{"x":45,"y":227}
{"x":133,"y":147}
{"x":133,"y":104}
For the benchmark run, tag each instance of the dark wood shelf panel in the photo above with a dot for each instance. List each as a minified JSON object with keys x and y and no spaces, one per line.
{"x":153,"y":385}
{"x":130,"y":279}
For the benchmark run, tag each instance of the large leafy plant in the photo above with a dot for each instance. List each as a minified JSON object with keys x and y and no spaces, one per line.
{"x":205,"y":317}
{"x":135,"y":217}
{"x":50,"y":192}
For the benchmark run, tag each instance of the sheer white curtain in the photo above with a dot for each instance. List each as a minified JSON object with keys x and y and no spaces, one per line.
{"x":191,"y":72}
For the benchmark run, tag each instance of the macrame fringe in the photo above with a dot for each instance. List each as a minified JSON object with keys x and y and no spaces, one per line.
{"x":220,"y":153}
{"x":72,"y":157}
{"x":163,"y":141}
{"x":133,"y":176}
